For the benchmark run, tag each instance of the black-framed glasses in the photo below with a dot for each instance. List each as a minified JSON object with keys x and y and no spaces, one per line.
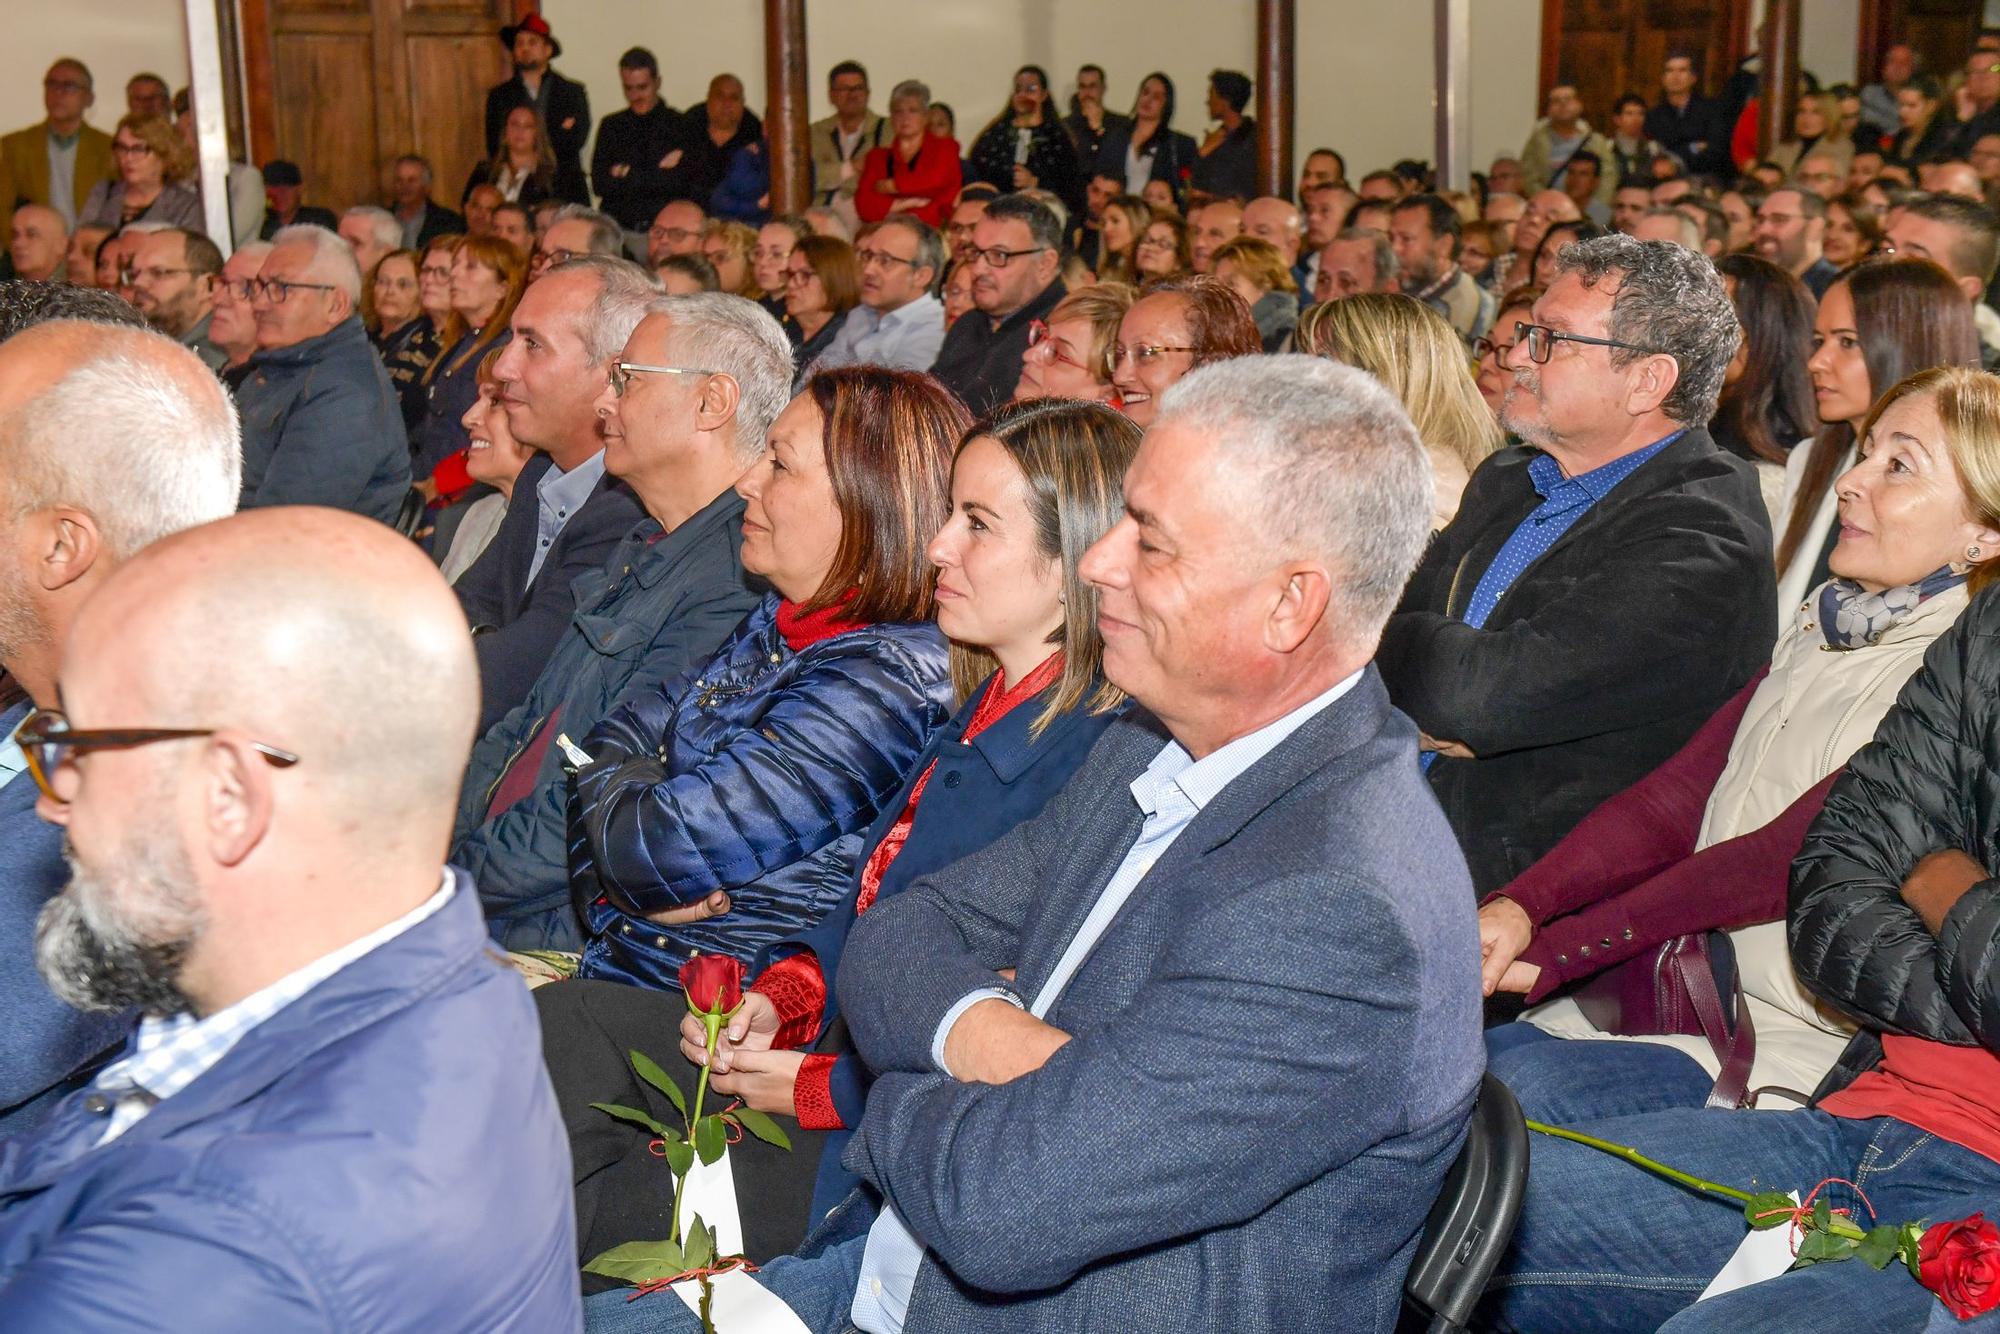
{"x":1542,"y":340}
{"x":998,"y":258}
{"x":277,"y":289}
{"x":1487,"y":347}
{"x":623,"y":371}
{"x":866,"y":257}
{"x":47,"y":741}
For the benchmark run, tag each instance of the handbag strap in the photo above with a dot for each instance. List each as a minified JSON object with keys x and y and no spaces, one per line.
{"x":1736,"y":1049}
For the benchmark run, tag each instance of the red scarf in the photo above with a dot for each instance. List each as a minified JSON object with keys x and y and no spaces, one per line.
{"x":993,"y":706}
{"x":802,"y":629}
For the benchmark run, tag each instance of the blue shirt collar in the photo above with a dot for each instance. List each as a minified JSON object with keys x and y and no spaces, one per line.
{"x":568,"y":490}
{"x":1548,"y":477}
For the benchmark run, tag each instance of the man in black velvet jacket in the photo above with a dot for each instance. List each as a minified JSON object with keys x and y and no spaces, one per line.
{"x":1606,"y":586}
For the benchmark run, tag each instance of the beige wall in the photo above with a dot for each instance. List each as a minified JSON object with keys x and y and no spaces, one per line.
{"x":116,"y":38}
{"x":1364,"y":65}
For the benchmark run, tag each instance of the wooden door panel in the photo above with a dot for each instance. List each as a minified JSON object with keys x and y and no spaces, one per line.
{"x":326,"y":113}
{"x":448,"y":79}
{"x":1611,"y":47}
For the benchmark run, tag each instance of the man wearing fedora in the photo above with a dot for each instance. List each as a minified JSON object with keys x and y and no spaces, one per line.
{"x":562,"y":103}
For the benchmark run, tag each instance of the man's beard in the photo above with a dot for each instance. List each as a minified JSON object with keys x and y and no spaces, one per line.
{"x":115,"y":943}
{"x":1526,"y":389}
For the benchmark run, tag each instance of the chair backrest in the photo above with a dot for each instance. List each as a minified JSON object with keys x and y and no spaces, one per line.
{"x":410,"y":517}
{"x":1473,"y":1219}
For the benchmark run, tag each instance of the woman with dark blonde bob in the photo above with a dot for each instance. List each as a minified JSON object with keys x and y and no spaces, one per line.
{"x":1069,"y":354}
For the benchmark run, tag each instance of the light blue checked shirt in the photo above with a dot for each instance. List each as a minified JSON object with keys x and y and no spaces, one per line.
{"x":1172,"y":791}
{"x":169,"y":1054}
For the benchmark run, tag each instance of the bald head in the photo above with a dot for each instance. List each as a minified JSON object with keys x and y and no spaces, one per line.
{"x":1272,"y":219}
{"x":1955,"y":178}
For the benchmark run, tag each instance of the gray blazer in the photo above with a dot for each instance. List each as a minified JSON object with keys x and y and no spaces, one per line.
{"x":1276,"y":1047}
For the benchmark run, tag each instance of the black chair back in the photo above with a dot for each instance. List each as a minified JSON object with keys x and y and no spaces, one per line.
{"x":1473,"y":1219}
{"x":410,"y":517}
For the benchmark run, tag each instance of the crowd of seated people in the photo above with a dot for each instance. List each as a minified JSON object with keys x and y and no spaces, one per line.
{"x":1000,"y":607}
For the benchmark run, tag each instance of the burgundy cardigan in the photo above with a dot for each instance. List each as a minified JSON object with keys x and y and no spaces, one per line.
{"x":1628,"y":878}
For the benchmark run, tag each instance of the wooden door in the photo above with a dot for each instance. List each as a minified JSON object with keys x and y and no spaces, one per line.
{"x":1608,"y":48}
{"x":344,"y":87}
{"x":1941,"y":31}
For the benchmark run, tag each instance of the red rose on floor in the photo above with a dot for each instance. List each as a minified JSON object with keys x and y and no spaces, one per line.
{"x":1960,"y":1262}
{"x":713,"y":982}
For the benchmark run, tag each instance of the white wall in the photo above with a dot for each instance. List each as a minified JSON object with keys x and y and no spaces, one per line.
{"x":1830,"y":39}
{"x":1364,"y":67}
{"x":116,"y":38}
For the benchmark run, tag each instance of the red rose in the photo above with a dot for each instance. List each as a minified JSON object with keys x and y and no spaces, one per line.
{"x":713,"y":982}
{"x":1960,"y":1262}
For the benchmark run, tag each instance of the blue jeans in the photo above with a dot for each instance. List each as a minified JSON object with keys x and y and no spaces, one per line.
{"x":1603,"y":1245}
{"x":1564,"y":1081}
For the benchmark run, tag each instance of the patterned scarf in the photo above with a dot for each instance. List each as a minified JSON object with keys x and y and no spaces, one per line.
{"x":1852,"y":617}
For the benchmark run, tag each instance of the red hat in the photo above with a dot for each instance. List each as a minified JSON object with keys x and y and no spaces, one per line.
{"x":535,"y":24}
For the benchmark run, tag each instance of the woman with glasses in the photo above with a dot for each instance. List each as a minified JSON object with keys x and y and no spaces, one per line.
{"x":728,"y":247}
{"x":1420,"y":358}
{"x":1163,"y":251}
{"x":1257,"y":272}
{"x":1876,"y":324}
{"x":488,"y":276}
{"x":1493,"y":376}
{"x":1032,"y":487}
{"x":1767,"y":402}
{"x":523,"y":169}
{"x":916,"y":172}
{"x":1069,"y":354}
{"x":152,"y":184}
{"x":1172,"y":328}
{"x":1149,"y":154}
{"x":1025,"y":147}
{"x":1706,"y":842}
{"x":956,"y":292}
{"x":822,"y":283}
{"x":403,"y":335}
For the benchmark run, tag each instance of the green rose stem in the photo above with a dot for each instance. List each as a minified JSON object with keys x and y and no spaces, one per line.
{"x":713,"y":1023}
{"x":1634,"y":1156}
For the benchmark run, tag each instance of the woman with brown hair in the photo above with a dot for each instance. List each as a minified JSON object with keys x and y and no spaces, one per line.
{"x":1162,"y":252}
{"x":488,"y":276}
{"x":1069,"y":354}
{"x":822,"y":283}
{"x":1815,"y":129}
{"x":1171,"y":329}
{"x":1420,"y":358}
{"x":1125,"y":221}
{"x":1853,"y":230}
{"x":152,"y":185}
{"x":523,"y":168}
{"x":1877,"y":324}
{"x":1767,"y":400}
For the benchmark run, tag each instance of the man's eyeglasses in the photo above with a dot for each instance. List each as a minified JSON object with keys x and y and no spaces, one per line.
{"x":277,"y":289}
{"x":1144,"y":354}
{"x":1043,"y":344}
{"x":623,"y":371}
{"x":674,"y":234}
{"x":47,"y":741}
{"x":799,"y":277}
{"x":998,"y":258}
{"x":1542,"y":340}
{"x":867,"y":257}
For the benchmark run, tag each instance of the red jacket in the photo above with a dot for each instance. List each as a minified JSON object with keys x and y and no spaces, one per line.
{"x":934,"y":176}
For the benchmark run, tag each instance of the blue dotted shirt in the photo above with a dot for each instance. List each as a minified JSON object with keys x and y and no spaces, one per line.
{"x":1564,"y":501}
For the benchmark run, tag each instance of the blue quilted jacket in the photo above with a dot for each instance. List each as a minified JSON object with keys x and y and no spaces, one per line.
{"x":759,"y":774}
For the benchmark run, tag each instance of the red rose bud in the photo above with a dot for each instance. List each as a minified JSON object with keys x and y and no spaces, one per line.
{"x":1960,"y":1262}
{"x":713,"y":982}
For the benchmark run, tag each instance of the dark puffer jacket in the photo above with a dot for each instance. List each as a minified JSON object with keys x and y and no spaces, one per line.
{"x":1930,"y":779}
{"x":759,"y":776}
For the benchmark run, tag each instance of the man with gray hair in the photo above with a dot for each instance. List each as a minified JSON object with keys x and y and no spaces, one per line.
{"x":566,"y":515}
{"x":321,"y":425}
{"x":421,"y":217}
{"x":1359,"y":259}
{"x":110,"y":437}
{"x":372,"y":232}
{"x":661,"y":604}
{"x":1607,"y":584}
{"x":1242,"y":910}
{"x":573,"y":231}
{"x":899,"y":323}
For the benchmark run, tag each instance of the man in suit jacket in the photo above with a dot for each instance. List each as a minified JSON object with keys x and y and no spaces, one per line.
{"x":841,"y":141}
{"x":566,"y":516}
{"x":1235,"y":1055}
{"x":563,"y":104}
{"x":60,"y":161}
{"x":102,"y":502}
{"x":1606,"y":586}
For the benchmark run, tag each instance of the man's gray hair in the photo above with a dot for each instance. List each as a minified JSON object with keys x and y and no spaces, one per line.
{"x":137,"y":432}
{"x":606,"y":236}
{"x":332,"y":260}
{"x":911,"y":88}
{"x":1666,"y":299}
{"x":1386,"y":265}
{"x":930,"y":246}
{"x":738,"y":338}
{"x":1690,"y":229}
{"x":1333,"y":466}
{"x":623,"y":292}
{"x":382,"y":225}
{"x":25,"y":304}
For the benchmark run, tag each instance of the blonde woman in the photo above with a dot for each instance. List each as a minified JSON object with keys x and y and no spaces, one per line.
{"x":154,"y":164}
{"x":1815,"y":129}
{"x":1412,"y":350}
{"x":730,"y":246}
{"x":1069,"y":354}
{"x":1258,"y":272}
{"x":1125,"y":221}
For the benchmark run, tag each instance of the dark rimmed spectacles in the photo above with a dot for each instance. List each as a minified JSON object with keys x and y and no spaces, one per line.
{"x":47,"y":741}
{"x":1542,"y":340}
{"x":623,"y":371}
{"x":247,"y":289}
{"x":998,"y":257}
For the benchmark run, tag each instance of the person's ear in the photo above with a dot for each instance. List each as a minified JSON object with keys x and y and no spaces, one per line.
{"x":1303,"y":592}
{"x":717,"y":405}
{"x":1655,"y":378}
{"x":68,"y":546}
{"x":238,"y":803}
{"x":1975,"y":291}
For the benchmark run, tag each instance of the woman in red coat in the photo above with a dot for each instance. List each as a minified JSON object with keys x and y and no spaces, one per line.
{"x":917,"y":172}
